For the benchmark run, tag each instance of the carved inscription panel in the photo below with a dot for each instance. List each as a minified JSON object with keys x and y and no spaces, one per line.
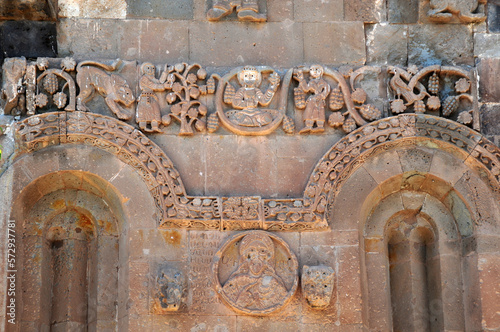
{"x":255,"y":273}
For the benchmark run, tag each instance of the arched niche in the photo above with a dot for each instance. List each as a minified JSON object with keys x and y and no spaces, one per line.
{"x":451,"y":192}
{"x":82,"y":185}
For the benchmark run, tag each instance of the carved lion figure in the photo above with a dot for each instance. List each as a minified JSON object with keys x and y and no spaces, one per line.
{"x":443,"y":10}
{"x":112,"y":87}
{"x":317,"y":285}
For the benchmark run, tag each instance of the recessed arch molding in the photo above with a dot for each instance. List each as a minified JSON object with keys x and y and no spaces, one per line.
{"x":175,"y":208}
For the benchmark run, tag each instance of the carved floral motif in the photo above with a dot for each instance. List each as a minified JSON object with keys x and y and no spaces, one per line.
{"x":264,"y":278}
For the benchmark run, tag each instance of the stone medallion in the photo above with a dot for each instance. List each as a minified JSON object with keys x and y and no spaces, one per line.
{"x":255,"y":273}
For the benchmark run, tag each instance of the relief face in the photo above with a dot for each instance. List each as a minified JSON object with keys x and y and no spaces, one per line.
{"x":255,"y":273}
{"x":171,"y":287}
{"x":317,"y":285}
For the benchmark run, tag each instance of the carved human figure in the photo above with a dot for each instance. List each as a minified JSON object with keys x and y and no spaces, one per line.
{"x":171,"y":286}
{"x":249,"y":97}
{"x":317,"y":285}
{"x":14,"y":70}
{"x":148,"y":107}
{"x":248,"y":10}
{"x":255,"y":284}
{"x":319,"y":89}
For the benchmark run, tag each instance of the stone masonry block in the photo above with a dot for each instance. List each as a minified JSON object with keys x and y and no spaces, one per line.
{"x":335,"y":43}
{"x":318,"y":10}
{"x":28,"y":38}
{"x":483,"y":43}
{"x":92,"y":8}
{"x":387,"y":44}
{"x":162,"y":41}
{"x":445,"y":44}
{"x":489,"y":89}
{"x":371,"y":11}
{"x":490,"y":118}
{"x":166,"y":9}
{"x":237,"y":43}
{"x":494,"y":17}
{"x":28,"y":10}
{"x":280,"y":10}
{"x":402,"y":11}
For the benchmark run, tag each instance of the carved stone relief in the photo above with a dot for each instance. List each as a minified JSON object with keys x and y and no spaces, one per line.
{"x":255,"y":106}
{"x":170,"y":289}
{"x":247,"y":10}
{"x":13,"y":90}
{"x":317,"y":285}
{"x":255,"y":273}
{"x":467,"y":11}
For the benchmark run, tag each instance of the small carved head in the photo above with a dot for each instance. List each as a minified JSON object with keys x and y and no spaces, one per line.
{"x":148,"y":68}
{"x":258,"y":251}
{"x":250,"y":77}
{"x":170,"y":283}
{"x":316,"y":71}
{"x":317,"y":285}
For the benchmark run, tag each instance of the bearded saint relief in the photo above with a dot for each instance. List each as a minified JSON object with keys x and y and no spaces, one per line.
{"x":257,"y":286}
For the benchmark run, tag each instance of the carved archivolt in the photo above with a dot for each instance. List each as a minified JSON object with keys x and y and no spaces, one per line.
{"x":177,"y":209}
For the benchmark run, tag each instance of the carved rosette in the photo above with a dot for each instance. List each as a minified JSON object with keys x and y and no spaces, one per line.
{"x":255,"y":273}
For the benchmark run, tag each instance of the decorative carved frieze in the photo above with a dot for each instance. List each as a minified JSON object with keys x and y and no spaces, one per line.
{"x":255,"y":273}
{"x":248,"y":101}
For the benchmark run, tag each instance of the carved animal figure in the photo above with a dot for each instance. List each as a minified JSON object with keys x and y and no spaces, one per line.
{"x":112,"y":87}
{"x":317,"y":285}
{"x":443,"y":10}
{"x":13,"y":89}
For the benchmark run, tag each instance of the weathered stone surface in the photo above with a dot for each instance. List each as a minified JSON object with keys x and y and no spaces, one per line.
{"x":334,"y":43}
{"x":371,"y":11}
{"x":280,"y":10}
{"x":233,"y":44}
{"x":490,"y":117}
{"x":386,"y":44}
{"x":172,"y":9}
{"x":440,"y":44}
{"x":488,"y":71}
{"x":93,"y":8}
{"x":28,"y":39}
{"x":318,"y":11}
{"x":482,"y":45}
{"x":402,"y":11}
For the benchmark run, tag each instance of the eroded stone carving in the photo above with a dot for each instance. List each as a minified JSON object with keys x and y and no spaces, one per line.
{"x":247,"y":10}
{"x":251,"y":113}
{"x":13,"y":89}
{"x":409,"y":89}
{"x":255,"y":273}
{"x":92,"y":77}
{"x":317,"y":285}
{"x":170,"y":289}
{"x":467,"y":11}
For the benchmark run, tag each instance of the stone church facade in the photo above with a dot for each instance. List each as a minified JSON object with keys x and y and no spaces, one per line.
{"x":250,"y":165}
